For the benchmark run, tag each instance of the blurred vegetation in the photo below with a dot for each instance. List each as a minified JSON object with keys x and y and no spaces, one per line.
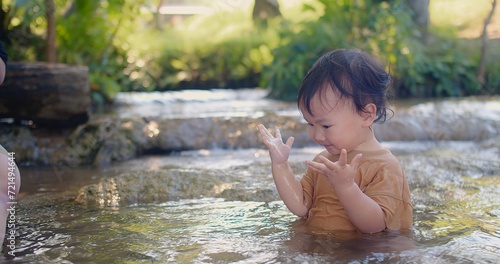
{"x":89,"y":33}
{"x":127,"y":49}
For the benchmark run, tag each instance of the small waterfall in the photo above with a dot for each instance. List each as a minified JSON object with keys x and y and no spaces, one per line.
{"x":227,"y":119}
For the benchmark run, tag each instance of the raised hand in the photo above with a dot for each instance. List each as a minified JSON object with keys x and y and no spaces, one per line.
{"x":339,"y":173}
{"x":278,"y":151}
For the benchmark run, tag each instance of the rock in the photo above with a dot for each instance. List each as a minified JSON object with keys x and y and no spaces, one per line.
{"x":46,"y":94}
{"x":137,"y":187}
{"x":107,"y":139}
{"x":459,"y":120}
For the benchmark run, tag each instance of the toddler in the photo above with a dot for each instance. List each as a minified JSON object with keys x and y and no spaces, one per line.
{"x":355,"y":183}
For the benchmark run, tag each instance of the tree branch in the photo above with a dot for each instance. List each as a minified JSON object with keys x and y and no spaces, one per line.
{"x":481,"y":73}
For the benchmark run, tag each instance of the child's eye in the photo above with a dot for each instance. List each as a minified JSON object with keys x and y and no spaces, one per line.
{"x":326,"y":126}
{"x":309,"y":124}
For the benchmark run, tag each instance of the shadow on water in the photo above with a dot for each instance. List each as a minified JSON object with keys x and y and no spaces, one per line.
{"x":221,"y":206}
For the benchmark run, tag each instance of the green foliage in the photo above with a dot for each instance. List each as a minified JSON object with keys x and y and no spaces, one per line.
{"x":219,"y":50}
{"x":442,"y":67}
{"x":124,"y":52}
{"x":89,"y":34}
{"x":19,"y":28}
{"x":378,"y":28}
{"x":492,"y":85}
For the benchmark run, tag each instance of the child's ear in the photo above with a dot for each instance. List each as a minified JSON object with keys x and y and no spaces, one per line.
{"x":369,"y":114}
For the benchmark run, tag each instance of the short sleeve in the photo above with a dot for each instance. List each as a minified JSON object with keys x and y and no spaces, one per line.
{"x":389,"y":189}
{"x":307,"y":188}
{"x":308,"y":183}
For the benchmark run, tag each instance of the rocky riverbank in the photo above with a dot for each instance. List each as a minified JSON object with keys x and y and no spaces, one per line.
{"x":106,"y":139}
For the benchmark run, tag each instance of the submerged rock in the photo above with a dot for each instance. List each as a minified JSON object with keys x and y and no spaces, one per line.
{"x":149,"y":186}
{"x":433,"y":166}
{"x":166,"y":184}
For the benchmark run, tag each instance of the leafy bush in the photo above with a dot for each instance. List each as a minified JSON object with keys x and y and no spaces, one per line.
{"x":379,"y":28}
{"x":92,"y":33}
{"x":124,"y":52}
{"x":441,"y":67}
{"x":220,"y":50}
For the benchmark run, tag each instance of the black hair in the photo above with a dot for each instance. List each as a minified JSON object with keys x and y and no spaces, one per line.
{"x":351,"y":74}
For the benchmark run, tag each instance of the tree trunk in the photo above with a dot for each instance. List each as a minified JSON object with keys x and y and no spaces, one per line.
{"x":158,"y":21}
{"x":47,"y":94}
{"x":421,"y":16}
{"x":263,"y":10}
{"x":481,"y":74}
{"x":50,"y":47}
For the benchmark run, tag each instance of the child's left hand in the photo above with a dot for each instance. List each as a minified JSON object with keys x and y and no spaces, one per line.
{"x":340,"y":174}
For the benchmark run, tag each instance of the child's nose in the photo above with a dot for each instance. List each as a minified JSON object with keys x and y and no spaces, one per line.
{"x":319,"y":135}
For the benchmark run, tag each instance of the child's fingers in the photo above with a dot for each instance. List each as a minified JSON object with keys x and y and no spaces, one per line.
{"x":262,"y":129}
{"x":261,"y":132}
{"x":265,"y":137}
{"x":328,"y":164}
{"x":317,"y":166}
{"x":278,"y":132}
{"x":355,"y":160}
{"x":289,"y":141}
{"x":264,"y":132}
{"x":343,"y":157}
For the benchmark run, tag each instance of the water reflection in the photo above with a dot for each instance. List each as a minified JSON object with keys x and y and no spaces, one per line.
{"x":342,"y":248}
{"x":456,"y":214}
{"x":220,"y":205}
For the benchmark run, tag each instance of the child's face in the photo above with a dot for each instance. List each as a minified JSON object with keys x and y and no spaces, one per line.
{"x":335,"y":124}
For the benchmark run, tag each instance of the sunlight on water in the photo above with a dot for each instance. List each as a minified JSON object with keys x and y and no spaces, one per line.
{"x":200,"y":103}
{"x":221,"y":206}
{"x":456,"y":216}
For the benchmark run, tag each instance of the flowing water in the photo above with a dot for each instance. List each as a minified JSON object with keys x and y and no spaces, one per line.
{"x":221,"y":206}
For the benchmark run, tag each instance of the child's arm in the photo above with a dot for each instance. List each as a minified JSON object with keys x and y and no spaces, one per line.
{"x":363,"y":212}
{"x":289,"y":188}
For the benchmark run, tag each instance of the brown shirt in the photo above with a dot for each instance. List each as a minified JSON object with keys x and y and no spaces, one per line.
{"x":379,"y":176}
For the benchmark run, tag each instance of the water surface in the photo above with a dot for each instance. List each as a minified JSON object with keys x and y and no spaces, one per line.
{"x":223,"y":207}
{"x":456,"y":214}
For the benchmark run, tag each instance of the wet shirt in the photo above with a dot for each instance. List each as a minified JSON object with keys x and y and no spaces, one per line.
{"x":379,"y":176}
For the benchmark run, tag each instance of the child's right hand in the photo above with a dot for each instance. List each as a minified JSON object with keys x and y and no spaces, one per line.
{"x":278,"y":151}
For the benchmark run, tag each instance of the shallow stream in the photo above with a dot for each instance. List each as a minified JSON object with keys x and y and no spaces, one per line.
{"x":221,"y":206}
